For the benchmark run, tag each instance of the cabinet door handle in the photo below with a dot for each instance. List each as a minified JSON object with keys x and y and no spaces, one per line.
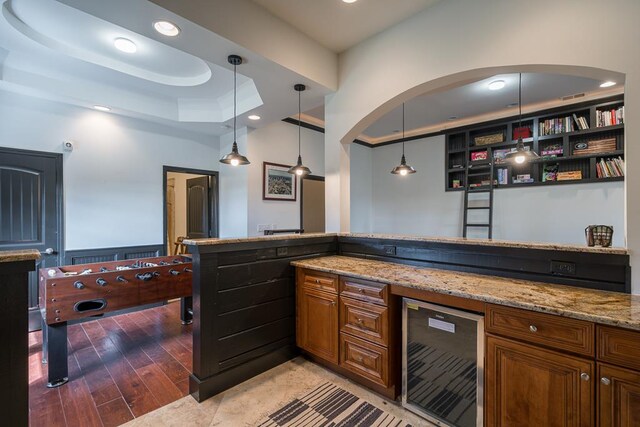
{"x":584,"y":376}
{"x":317,"y":280}
{"x":361,"y":290}
{"x":605,"y":380}
{"x":333,"y":303}
{"x":533,"y":328}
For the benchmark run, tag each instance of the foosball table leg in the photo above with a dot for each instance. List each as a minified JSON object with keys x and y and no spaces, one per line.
{"x":54,"y":353}
{"x":186,"y":310}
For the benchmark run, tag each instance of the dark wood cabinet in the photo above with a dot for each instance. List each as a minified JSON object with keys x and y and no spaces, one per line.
{"x":618,"y":397}
{"x":530,"y":386}
{"x":317,"y":323}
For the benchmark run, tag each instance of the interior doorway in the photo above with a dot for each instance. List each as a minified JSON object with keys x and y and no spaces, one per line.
{"x":312,"y":204}
{"x":190,"y":206}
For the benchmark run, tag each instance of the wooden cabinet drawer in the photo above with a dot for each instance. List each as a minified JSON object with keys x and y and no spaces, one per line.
{"x":557,"y":332}
{"x":619,"y":346}
{"x":365,"y":359}
{"x":364,"y":290}
{"x":365,"y":320}
{"x":316,"y":279}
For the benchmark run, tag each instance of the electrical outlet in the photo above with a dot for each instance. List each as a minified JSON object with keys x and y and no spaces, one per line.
{"x":390,"y":250}
{"x":563,"y":268}
{"x":262,"y":227}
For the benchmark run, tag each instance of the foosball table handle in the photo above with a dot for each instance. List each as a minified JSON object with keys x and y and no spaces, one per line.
{"x":145,"y":277}
{"x":78,"y":285}
{"x":101,"y":282}
{"x":187,"y":270}
{"x":174,"y":272}
{"x":121,"y":279}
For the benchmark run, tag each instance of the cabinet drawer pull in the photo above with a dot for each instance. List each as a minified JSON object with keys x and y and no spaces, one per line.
{"x":333,"y":303}
{"x":584,"y":376}
{"x":317,"y":280}
{"x":359,"y":320}
{"x":361,"y":290}
{"x":533,"y":328}
{"x":605,"y":380}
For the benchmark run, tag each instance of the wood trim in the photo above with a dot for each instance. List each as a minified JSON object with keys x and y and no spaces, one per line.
{"x":436,"y":298}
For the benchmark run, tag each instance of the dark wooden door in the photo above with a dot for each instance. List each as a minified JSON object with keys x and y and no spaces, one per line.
{"x":527,"y":386}
{"x":30,"y":207}
{"x":198,"y":224}
{"x":618,"y":397}
{"x":318,"y":323}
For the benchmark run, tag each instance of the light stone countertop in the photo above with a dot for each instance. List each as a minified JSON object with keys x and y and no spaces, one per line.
{"x":20,"y":255}
{"x":451,"y":240}
{"x":610,"y":308}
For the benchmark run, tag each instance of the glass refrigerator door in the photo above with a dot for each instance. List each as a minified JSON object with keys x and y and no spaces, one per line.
{"x":443,"y":378}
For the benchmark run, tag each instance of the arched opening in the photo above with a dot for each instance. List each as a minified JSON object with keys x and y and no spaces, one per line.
{"x":551,"y":199}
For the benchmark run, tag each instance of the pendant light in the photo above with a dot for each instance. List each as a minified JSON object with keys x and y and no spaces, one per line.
{"x":234,"y":158}
{"x":299,"y":169}
{"x":521,"y":155}
{"x":403,"y":169}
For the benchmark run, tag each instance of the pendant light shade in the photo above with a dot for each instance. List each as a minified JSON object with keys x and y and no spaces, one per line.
{"x":520,"y":155}
{"x":299,"y":169}
{"x":403,"y":168}
{"x":234,"y":158}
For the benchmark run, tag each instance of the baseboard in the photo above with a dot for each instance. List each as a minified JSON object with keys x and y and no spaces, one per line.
{"x":202,"y":389}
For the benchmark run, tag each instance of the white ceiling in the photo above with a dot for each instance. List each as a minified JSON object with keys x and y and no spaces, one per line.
{"x":338,"y":25}
{"x":475,"y":100}
{"x":63,"y":51}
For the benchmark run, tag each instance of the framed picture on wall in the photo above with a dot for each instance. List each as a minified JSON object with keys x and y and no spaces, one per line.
{"x":277,"y":183}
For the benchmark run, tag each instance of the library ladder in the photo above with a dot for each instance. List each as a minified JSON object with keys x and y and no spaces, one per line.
{"x":488,"y":189}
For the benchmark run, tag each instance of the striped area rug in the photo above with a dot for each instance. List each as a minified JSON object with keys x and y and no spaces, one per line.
{"x":331,"y":406}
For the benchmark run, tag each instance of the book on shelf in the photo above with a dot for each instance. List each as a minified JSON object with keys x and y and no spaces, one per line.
{"x":553,"y":150}
{"x":610,"y":168}
{"x":612,"y":117}
{"x":555,"y":126}
{"x":581,"y":122}
{"x":502,"y":175}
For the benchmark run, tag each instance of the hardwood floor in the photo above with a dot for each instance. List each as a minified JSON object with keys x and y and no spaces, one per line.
{"x":120,"y":367}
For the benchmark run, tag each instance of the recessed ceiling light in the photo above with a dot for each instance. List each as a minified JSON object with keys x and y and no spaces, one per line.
{"x":166,"y":28}
{"x":125,"y":45}
{"x":496,"y":85}
{"x":101,"y":108}
{"x":253,"y":117}
{"x":608,"y":84}
{"x":349,"y":1}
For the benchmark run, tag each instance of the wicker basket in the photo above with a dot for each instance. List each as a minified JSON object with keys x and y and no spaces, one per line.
{"x":489,"y":139}
{"x":599,"y":235}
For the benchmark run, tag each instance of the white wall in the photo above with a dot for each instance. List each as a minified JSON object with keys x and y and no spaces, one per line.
{"x":234,"y":188}
{"x":278,"y":143}
{"x":418,"y":204}
{"x":436,"y":53}
{"x":113,"y":178}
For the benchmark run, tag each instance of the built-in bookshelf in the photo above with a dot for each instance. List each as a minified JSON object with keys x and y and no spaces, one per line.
{"x":583,"y":143}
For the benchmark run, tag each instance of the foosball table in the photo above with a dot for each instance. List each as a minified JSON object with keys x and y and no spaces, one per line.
{"x":87,"y":290}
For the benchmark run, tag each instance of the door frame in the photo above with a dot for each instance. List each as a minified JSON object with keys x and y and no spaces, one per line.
{"x":214,"y":222}
{"x":34,"y":312}
{"x":313,"y":178}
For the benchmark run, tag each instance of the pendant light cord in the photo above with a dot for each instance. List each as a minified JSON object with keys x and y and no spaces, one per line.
{"x":235,"y":89}
{"x":403,"y":129}
{"x":299,"y":122}
{"x":520,"y":99}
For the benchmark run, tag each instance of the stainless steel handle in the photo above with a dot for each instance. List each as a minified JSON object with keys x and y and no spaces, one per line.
{"x":605,"y":380}
{"x":49,"y":251}
{"x":533,"y":328}
{"x":584,"y":376}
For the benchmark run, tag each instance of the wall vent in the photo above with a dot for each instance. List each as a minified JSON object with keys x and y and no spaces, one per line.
{"x":568,"y":97}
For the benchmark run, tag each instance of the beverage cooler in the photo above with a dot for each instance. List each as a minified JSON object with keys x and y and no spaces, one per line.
{"x":442,"y":364}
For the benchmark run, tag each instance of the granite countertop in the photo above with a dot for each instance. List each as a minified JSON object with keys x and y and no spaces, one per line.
{"x":451,"y":240}
{"x":227,"y":240}
{"x":493,"y":242}
{"x":20,"y":255}
{"x":610,"y":308}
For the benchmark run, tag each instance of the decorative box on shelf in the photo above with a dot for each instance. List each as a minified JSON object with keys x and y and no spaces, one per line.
{"x":522,"y":132}
{"x":489,"y":139}
{"x":595,"y":146}
{"x":569,"y":175}
{"x":478,"y":156}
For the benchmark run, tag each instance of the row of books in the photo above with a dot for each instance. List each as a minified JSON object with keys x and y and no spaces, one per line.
{"x":610,"y":168}
{"x":562,"y":125}
{"x":610,"y":117}
{"x":503,"y":176}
